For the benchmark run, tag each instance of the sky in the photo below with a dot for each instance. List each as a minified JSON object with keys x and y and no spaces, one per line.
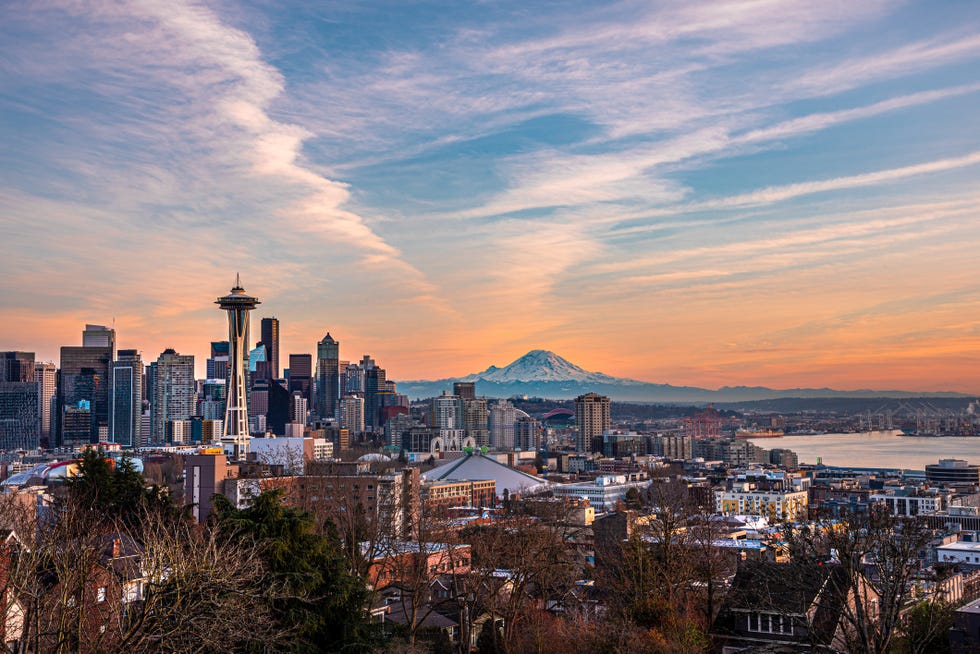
{"x":746,"y":192}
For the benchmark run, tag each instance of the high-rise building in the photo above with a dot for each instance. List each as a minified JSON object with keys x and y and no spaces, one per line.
{"x":235,"y":431}
{"x":476,"y":420}
{"x":20,"y":419}
{"x":99,"y":336}
{"x":298,"y":408}
{"x":526,"y":433}
{"x":352,"y":413}
{"x":270,"y":338}
{"x":174,"y":392}
{"x":212,"y":403}
{"x":301,"y":375}
{"x":46,"y":376}
{"x":83,"y":391}
{"x":444,"y":412}
{"x":217,"y":364}
{"x":591,"y":420}
{"x":280,"y":403}
{"x":353,"y":380}
{"x":328,"y":376}
{"x":258,"y":364}
{"x":502,"y":418}
{"x":126,"y":399}
{"x":20,"y":411}
{"x":464,"y":390}
{"x":16,"y":366}
{"x":374,"y":383}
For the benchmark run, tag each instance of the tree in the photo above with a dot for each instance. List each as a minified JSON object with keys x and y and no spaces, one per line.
{"x":115,"y":489}
{"x":203,"y":591}
{"x":490,"y":640}
{"x":925,"y":628}
{"x":632,"y":499}
{"x":321,"y":599}
{"x":659,"y":571}
{"x":520,"y":564}
{"x":878,"y":557}
{"x":82,"y":582}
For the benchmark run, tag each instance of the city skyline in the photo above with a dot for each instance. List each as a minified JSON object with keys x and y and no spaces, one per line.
{"x":775,"y":194}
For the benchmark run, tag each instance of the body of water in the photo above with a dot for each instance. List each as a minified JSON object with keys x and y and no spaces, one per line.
{"x":877,"y":449}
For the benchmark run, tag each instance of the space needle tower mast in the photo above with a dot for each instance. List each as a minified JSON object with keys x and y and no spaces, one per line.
{"x":234,"y":433}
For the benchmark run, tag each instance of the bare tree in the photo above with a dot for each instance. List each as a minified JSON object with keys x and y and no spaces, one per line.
{"x":878,"y":556}
{"x":78,"y":582}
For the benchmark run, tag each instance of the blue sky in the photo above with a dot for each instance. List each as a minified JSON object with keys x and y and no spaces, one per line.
{"x":778,"y":193}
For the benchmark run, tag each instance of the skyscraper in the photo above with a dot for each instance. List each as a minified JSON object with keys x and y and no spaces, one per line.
{"x":126,"y":399}
{"x":217,"y":364}
{"x":328,"y":376}
{"x":99,"y":336}
{"x":464,"y":390}
{"x":16,"y":366}
{"x":374,"y":383}
{"x":298,"y":408}
{"x":351,"y":412}
{"x":83,"y":387}
{"x":444,"y":412}
{"x":19,"y":416}
{"x":301,"y":375}
{"x":174,"y":392}
{"x":591,"y":420}
{"x":259,"y":364}
{"x":46,"y":376}
{"x":502,"y":418}
{"x":353,"y":379}
{"x":476,"y":420}
{"x":526,"y":433}
{"x":235,"y":433}
{"x":270,"y":338}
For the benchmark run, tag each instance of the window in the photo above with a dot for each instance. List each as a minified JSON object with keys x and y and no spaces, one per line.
{"x":100,"y":594}
{"x":770,"y":623}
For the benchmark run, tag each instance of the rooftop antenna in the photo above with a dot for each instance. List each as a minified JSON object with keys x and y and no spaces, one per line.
{"x":238,"y":280}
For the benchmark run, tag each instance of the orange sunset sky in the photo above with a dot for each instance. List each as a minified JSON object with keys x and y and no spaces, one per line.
{"x":729,"y":193}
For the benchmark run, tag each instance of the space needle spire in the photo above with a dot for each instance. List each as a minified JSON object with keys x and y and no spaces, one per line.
{"x":234,"y":433}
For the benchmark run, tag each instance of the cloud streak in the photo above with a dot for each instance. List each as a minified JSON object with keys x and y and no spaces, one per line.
{"x":447,"y":186}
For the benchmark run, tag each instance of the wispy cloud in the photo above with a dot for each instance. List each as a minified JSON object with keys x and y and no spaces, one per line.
{"x":482,"y":177}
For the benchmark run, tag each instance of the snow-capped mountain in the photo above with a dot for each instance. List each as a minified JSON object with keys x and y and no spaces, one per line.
{"x":545,"y":374}
{"x":542,"y":366}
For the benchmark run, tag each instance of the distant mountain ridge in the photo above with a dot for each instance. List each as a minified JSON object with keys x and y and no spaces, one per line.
{"x":541,"y":373}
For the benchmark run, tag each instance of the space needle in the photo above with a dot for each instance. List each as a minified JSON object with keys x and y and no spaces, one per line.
{"x":234,"y":432}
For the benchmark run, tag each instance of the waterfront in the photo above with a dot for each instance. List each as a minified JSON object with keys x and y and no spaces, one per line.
{"x":879,"y":449}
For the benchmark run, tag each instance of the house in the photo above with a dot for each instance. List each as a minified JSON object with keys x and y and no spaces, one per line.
{"x":964,"y":637}
{"x":414,"y":563}
{"x":799,"y":605}
{"x":89,"y":587}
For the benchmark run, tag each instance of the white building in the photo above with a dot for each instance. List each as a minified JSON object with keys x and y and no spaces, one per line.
{"x":912,"y":503}
{"x":290,"y":452}
{"x":774,"y":504}
{"x":445,"y":412}
{"x":960,"y":552}
{"x":352,"y":413}
{"x":603,"y":493}
{"x":502,"y":419}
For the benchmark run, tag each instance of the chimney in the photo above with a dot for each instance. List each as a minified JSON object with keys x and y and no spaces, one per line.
{"x":116,"y":546}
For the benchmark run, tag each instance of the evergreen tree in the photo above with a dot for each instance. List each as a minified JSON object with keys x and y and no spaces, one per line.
{"x":321,"y":599}
{"x":116,"y":490}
